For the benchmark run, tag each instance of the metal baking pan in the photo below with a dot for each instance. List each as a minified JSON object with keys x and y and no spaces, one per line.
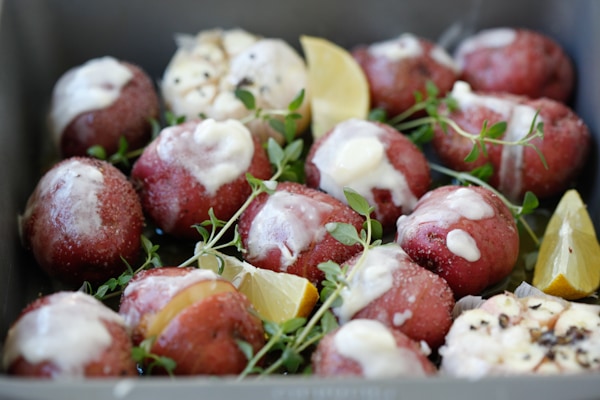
{"x":40,"y":39}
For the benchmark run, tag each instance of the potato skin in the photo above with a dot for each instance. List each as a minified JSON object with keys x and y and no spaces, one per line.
{"x":425,"y":240}
{"x":150,"y":290}
{"x":129,"y":116}
{"x":113,"y":361}
{"x":161,"y":184}
{"x":392,"y":83}
{"x":423,"y":301}
{"x":328,"y":362}
{"x":402,"y":154}
{"x":320,"y":249}
{"x":202,"y":338}
{"x":565,"y":147}
{"x":533,"y":65}
{"x":51,"y":228}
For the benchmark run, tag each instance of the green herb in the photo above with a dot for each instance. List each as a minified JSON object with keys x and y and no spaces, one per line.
{"x":422,"y":129}
{"x":530,"y":201}
{"x":290,"y":339}
{"x":148,"y":361}
{"x":114,"y":286}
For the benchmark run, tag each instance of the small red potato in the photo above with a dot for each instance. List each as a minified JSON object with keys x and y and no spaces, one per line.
{"x":80,"y":221}
{"x":399,"y":67}
{"x":391,"y":288}
{"x":369,"y":349}
{"x":467,"y":235}
{"x":194,"y":317}
{"x":195,"y":166}
{"x":68,"y":335}
{"x":517,"y":169}
{"x":518,"y":61}
{"x":99,"y":102}
{"x":375,"y":160}
{"x":285,"y":231}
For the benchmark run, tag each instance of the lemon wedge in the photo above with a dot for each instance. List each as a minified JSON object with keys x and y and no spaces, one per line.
{"x":338,"y":86}
{"x":276,"y":296}
{"x":568,"y":263}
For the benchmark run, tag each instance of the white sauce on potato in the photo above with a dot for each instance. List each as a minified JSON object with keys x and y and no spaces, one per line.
{"x":354,"y":155}
{"x":70,"y":192}
{"x":518,"y":118}
{"x":158,"y":290}
{"x":463,"y":202}
{"x":460,"y":243}
{"x":374,"y":348}
{"x":95,"y":85}
{"x":407,"y":46}
{"x":214,"y":153}
{"x":373,"y":279}
{"x":485,"y":39}
{"x":288,"y":222}
{"x":68,"y":332}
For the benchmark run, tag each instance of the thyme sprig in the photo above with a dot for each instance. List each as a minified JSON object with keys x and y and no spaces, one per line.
{"x":281,"y":120}
{"x":114,"y":286}
{"x":438,"y":108}
{"x":291,"y":338}
{"x":529,"y":205}
{"x":147,"y":360}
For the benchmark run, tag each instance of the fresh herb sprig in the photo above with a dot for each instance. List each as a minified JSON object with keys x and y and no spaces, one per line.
{"x":291,"y":338}
{"x":114,"y":286}
{"x":529,"y":205}
{"x":422,"y":129}
{"x":283,"y":121}
{"x":147,"y":360}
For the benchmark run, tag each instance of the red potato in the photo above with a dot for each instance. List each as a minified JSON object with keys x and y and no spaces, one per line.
{"x":196,"y":166}
{"x":99,"y":102}
{"x":397,"y":68}
{"x":518,"y":61}
{"x":391,"y":288}
{"x":466,"y":235}
{"x":517,"y":169}
{"x":68,"y":335}
{"x":367,"y":348}
{"x":203,"y":338}
{"x":194,"y":317}
{"x":80,"y":221}
{"x":285,"y":231}
{"x":374,"y":159}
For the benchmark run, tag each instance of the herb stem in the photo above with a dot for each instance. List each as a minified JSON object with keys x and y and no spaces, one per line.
{"x":466,"y":177}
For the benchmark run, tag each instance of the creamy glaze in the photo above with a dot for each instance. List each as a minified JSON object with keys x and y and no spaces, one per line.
{"x":157,"y":291}
{"x":68,"y":332}
{"x":74,"y":208}
{"x":460,"y":243}
{"x":354,"y":155}
{"x":95,"y":85}
{"x":486,"y":39}
{"x":407,"y":46}
{"x":373,"y":347}
{"x":373,"y":279}
{"x":461,"y":203}
{"x":287,"y":222}
{"x":214,"y":153}
{"x":518,"y":118}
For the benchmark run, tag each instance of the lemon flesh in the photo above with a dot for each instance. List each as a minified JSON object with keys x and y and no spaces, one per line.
{"x":276,"y":296}
{"x":568,"y":263}
{"x":338,"y":86}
